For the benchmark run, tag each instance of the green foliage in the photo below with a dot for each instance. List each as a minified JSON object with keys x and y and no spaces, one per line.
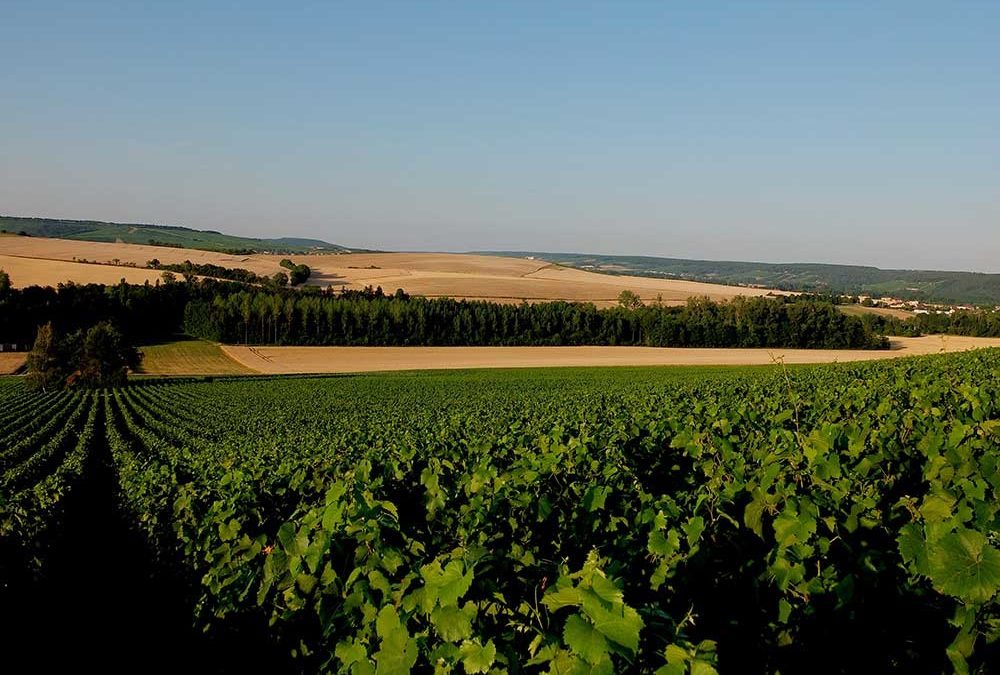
{"x":629,"y":300}
{"x":101,"y":357}
{"x":47,"y":363}
{"x":587,"y":521}
{"x":106,"y":357}
{"x":372,"y":318}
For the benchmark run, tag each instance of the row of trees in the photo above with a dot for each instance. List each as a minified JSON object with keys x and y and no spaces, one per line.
{"x":258,"y":317}
{"x":144,"y":313}
{"x":236,"y":313}
{"x":975,"y":323}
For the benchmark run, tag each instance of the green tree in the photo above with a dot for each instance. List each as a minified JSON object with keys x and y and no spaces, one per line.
{"x":4,"y":283}
{"x":106,"y":357}
{"x":629,"y":300}
{"x":46,"y":365}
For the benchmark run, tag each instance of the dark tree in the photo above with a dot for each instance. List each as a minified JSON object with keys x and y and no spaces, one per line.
{"x":46,"y":363}
{"x":106,"y":357}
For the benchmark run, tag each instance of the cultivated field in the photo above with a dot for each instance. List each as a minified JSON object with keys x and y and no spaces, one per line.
{"x":286,"y":360}
{"x":40,"y":272}
{"x":189,"y":357}
{"x":416,"y":517}
{"x":11,"y":361}
{"x":32,"y":260}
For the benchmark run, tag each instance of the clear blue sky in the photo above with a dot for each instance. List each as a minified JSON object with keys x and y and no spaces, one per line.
{"x":859,"y":132}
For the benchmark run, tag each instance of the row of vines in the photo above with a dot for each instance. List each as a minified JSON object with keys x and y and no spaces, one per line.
{"x":832,"y":519}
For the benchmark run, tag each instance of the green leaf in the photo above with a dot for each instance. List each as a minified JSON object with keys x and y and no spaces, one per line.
{"x":398,"y":651}
{"x":293,"y":543}
{"x":557,"y":598}
{"x":699,"y":667}
{"x":454,"y":624}
{"x":349,"y":652}
{"x":913,"y":547}
{"x":445,"y":586}
{"x":596,"y":497}
{"x":963,"y":565}
{"x":606,"y":589}
{"x":584,"y":639}
{"x":693,"y":529}
{"x":477,"y":658}
{"x":937,"y":507}
{"x":753,"y":517}
{"x":677,"y":655}
{"x":228,"y":531}
{"x":620,"y":624}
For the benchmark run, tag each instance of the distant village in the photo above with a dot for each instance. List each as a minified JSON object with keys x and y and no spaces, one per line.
{"x":916,"y":306}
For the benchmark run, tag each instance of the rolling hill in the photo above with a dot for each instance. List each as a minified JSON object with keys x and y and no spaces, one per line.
{"x":930,"y":286}
{"x":161,"y":235}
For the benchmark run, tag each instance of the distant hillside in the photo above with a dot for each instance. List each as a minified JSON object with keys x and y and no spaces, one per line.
{"x":161,"y":235}
{"x":930,"y":286}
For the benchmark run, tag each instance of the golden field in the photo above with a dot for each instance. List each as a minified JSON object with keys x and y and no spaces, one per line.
{"x":10,"y":362}
{"x":289,"y":360}
{"x":34,"y":260}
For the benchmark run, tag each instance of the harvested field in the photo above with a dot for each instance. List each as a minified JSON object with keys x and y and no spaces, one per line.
{"x":10,"y":362}
{"x":287,"y":360}
{"x":34,"y":260}
{"x":189,"y":357}
{"x":38,"y":272}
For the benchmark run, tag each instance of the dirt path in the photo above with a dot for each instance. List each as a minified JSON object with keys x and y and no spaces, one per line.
{"x":279,"y":360}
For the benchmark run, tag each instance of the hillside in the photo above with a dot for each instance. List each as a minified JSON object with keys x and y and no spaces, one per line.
{"x":47,"y":262}
{"x":931,"y":286}
{"x":161,"y":235}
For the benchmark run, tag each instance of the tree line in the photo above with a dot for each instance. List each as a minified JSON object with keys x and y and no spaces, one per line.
{"x":236,"y":313}
{"x":373,"y":318}
{"x":973,"y":323}
{"x":296,"y":274}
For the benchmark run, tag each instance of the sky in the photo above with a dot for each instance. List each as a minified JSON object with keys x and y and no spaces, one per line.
{"x":850,"y":132}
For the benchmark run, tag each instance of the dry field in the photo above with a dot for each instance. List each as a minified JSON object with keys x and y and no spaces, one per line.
{"x":34,"y":260}
{"x":287,"y":360}
{"x":39,"y":272}
{"x":11,"y":361}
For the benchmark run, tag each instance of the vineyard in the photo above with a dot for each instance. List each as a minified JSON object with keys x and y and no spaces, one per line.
{"x":842,"y":518}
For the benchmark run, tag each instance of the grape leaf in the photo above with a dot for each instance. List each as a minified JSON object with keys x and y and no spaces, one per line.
{"x":963,"y":565}
{"x":584,"y":639}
